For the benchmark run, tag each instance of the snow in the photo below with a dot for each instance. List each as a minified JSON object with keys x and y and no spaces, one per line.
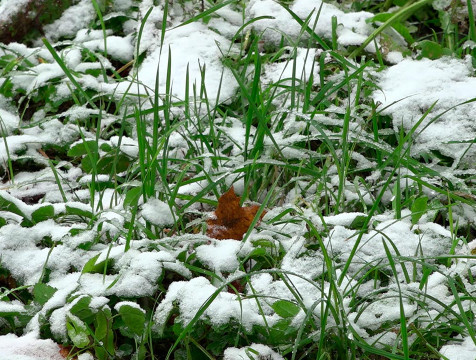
{"x":28,"y":347}
{"x":192,"y":295}
{"x":352,"y":27}
{"x":408,"y":88}
{"x":411,"y":87}
{"x":120,"y":304}
{"x":460,"y":351}
{"x":220,"y":255}
{"x":120,"y":48}
{"x":344,"y":219}
{"x":10,"y":8}
{"x":394,"y":57}
{"x":10,"y":307}
{"x":306,"y":63}
{"x":254,"y":352}
{"x":196,"y":47}
{"x":410,"y":241}
{"x":8,"y":121}
{"x":158,"y":213}
{"x":128,"y":146}
{"x":73,"y":19}
{"x":385,"y":310}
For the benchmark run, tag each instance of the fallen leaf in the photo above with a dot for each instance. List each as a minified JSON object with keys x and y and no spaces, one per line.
{"x":230,"y":220}
{"x":65,"y":351}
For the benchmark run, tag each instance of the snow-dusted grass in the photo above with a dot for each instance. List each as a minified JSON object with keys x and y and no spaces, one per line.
{"x":366,"y":171}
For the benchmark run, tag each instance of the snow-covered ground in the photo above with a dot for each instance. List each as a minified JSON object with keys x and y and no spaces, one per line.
{"x":196,"y":52}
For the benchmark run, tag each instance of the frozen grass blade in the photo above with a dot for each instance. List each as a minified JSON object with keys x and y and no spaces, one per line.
{"x":345,"y":160}
{"x":334,"y":32}
{"x":254,"y":97}
{"x":330,"y":88}
{"x":255,"y":110}
{"x":266,"y":202}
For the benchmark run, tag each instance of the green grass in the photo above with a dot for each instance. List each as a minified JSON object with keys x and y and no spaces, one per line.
{"x":333,"y":125}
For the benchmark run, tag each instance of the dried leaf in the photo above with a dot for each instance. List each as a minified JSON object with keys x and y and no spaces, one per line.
{"x":66,"y":351}
{"x":231,"y":221}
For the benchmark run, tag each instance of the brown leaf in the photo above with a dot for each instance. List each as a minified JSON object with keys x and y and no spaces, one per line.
{"x":231,"y":221}
{"x":65,"y":351}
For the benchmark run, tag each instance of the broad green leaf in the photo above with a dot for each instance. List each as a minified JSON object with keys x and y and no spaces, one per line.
{"x":72,"y":210}
{"x":101,"y":353}
{"x":8,"y":205}
{"x":105,"y":147}
{"x":43,"y":213}
{"x":134,"y":318}
{"x":104,"y":331}
{"x":419,"y":207}
{"x":82,"y":310}
{"x":96,"y":268}
{"x":432,"y":50}
{"x":279,"y":329}
{"x":107,"y":164}
{"x":132,"y":197}
{"x":358,"y":222}
{"x":264,"y":243}
{"x":80,"y":148}
{"x":42,"y":293}
{"x":102,"y":325}
{"x":90,"y":265}
{"x":77,"y":332}
{"x":285,"y":308}
{"x":257,"y":252}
